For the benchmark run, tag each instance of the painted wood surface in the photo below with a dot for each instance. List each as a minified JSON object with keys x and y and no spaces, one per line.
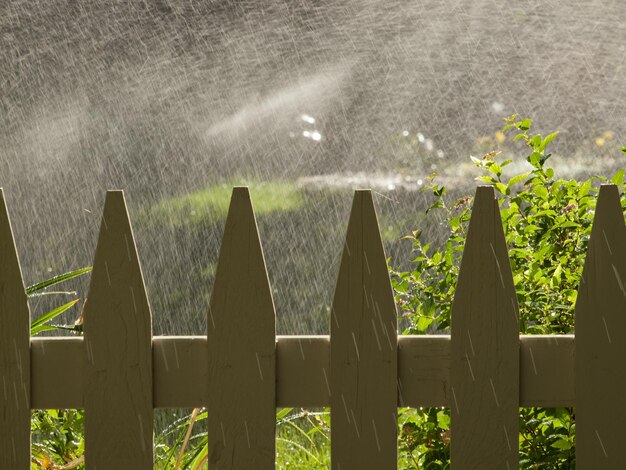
{"x":117,"y":354}
{"x":485,"y":347}
{"x":14,"y":353}
{"x":600,"y":366}
{"x":423,"y":370}
{"x":241,"y":340}
{"x":303,"y":371}
{"x":57,"y":371}
{"x":546,"y":371}
{"x":303,"y":377}
{"x":363,"y":349}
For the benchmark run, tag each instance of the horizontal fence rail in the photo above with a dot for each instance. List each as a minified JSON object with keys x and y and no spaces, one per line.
{"x":302,"y":363}
{"x":241,"y":371}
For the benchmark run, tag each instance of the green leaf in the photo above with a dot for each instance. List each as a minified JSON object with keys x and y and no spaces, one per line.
{"x":618,"y":178}
{"x":562,"y":444}
{"x":544,"y":158}
{"x":517,"y":178}
{"x":494,"y":168}
{"x":423,"y":323}
{"x":487,"y":179}
{"x":443,"y":420}
{"x":41,"y":328}
{"x":535,"y":142}
{"x":524,"y":124}
{"x":501,"y":187}
{"x":56,"y":279}
{"x":583,"y":190}
{"x":39,"y":324}
{"x":436,"y":205}
{"x":283,"y":413}
{"x":200,"y":456}
{"x":547,"y":140}
{"x":477,"y":161}
{"x":535,"y":159}
{"x":540,"y":191}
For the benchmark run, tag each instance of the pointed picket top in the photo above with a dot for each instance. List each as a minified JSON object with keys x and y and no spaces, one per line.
{"x":599,"y":367}
{"x":363,"y":349}
{"x":485,"y":347}
{"x":241,"y":342}
{"x":118,"y":350}
{"x":14,"y":353}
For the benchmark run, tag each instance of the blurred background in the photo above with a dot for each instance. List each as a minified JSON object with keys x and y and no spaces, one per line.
{"x":176,"y":102}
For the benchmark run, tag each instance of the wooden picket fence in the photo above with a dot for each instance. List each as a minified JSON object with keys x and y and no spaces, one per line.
{"x":118,"y":372}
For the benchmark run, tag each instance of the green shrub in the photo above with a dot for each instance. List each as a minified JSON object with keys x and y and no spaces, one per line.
{"x":547,"y":222}
{"x":58,"y":438}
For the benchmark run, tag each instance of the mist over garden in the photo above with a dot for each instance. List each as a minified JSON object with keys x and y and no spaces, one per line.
{"x":175,"y":102}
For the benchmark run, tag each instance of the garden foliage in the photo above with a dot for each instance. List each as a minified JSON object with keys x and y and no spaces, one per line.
{"x":547,"y":222}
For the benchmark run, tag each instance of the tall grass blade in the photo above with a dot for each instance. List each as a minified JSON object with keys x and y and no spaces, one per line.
{"x":38,"y":325}
{"x":56,"y":279}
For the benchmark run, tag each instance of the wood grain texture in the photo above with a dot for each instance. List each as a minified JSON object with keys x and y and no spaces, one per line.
{"x":363,"y":350}
{"x":485,"y":347}
{"x":423,"y":370}
{"x":303,"y":377}
{"x":14,"y":353}
{"x":118,"y":356}
{"x":600,"y":369}
{"x":241,"y":339}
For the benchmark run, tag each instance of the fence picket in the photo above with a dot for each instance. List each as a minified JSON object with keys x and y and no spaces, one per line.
{"x":241,"y":338}
{"x":485,"y":347}
{"x":14,"y":353}
{"x":118,"y":336}
{"x":599,"y":367}
{"x":363,"y":349}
